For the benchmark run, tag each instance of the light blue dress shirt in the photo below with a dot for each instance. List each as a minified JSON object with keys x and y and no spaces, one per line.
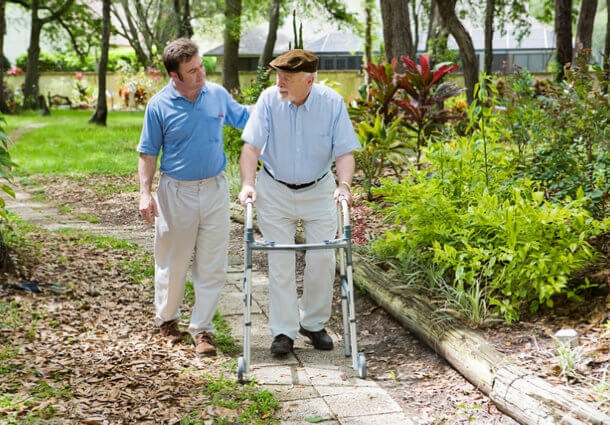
{"x":190,"y":134}
{"x":298,"y":144}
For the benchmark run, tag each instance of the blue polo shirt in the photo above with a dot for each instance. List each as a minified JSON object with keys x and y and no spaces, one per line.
{"x":190,"y":134}
{"x":298,"y":144}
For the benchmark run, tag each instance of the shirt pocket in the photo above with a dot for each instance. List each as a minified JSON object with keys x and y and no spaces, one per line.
{"x":213,"y":126}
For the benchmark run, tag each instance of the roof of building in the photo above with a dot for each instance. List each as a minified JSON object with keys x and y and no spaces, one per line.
{"x":540,"y":36}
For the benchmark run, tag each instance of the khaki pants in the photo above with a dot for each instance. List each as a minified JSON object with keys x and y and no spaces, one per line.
{"x":193,"y":223}
{"x":279,"y":208}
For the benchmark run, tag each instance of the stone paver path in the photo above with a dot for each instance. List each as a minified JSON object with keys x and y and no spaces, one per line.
{"x":313,"y":386}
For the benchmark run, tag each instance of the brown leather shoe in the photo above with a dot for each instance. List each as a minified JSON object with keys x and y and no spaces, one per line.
{"x":204,"y":344}
{"x":169,"y":331}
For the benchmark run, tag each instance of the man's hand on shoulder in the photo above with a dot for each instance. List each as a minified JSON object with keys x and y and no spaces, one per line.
{"x":247,"y":191}
{"x":148,"y":207}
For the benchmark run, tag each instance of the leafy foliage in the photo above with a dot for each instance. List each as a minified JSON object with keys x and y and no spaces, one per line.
{"x":562,"y":134}
{"x":408,"y":107}
{"x":424,"y":97}
{"x":503,"y":237}
{"x":380,"y":147}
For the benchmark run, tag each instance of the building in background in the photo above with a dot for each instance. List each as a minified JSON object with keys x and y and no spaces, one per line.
{"x":344,"y":51}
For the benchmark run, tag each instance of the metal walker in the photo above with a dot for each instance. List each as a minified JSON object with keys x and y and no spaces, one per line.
{"x":344,"y":245}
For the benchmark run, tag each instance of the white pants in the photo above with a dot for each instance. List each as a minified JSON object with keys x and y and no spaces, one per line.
{"x":193,"y":223}
{"x":279,"y":208}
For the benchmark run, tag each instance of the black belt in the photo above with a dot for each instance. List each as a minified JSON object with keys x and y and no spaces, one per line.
{"x":296,"y":186}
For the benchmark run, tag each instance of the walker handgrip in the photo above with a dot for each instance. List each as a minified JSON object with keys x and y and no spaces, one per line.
{"x":248,"y":213}
{"x":344,"y":209}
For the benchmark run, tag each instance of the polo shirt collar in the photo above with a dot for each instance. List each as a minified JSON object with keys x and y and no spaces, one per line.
{"x":174,"y":94}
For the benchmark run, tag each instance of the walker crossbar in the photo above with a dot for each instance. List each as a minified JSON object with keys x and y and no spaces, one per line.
{"x":270,"y":246}
{"x":344,"y":247}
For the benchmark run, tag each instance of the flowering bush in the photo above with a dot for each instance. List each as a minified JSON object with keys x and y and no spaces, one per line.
{"x":15,"y":70}
{"x":82,"y":92}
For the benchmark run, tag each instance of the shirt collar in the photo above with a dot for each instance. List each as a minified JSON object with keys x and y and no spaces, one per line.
{"x":309,"y":99}
{"x":174,"y":94}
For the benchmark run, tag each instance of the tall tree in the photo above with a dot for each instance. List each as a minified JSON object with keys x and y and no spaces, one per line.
{"x":489,"y":34}
{"x":563,"y":31}
{"x":274,"y":22}
{"x":148,"y":25}
{"x":182,"y":10}
{"x":101,"y":110}
{"x":438,"y":36}
{"x":607,"y":48}
{"x":368,"y":38}
{"x":397,"y":29}
{"x":3,"y":106}
{"x":470,"y":65}
{"x":53,"y":10}
{"x":584,"y":29}
{"x":232,"y":33}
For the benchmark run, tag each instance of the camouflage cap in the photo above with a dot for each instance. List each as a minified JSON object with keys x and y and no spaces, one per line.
{"x":297,"y":60}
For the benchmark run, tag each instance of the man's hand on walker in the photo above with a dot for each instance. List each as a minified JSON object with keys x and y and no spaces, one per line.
{"x":246,"y":192}
{"x":342,"y":190}
{"x":148,"y":208}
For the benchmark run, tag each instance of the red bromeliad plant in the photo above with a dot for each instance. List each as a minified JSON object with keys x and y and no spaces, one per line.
{"x":422,"y":96}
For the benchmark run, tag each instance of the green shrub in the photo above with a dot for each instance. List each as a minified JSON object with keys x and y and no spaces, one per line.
{"x":67,"y":62}
{"x":562,"y":133}
{"x":502,"y":236}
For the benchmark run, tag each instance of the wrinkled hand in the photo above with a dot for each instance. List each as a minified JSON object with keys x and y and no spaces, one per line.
{"x":341,"y":190}
{"x":246,"y":192}
{"x":148,"y":208}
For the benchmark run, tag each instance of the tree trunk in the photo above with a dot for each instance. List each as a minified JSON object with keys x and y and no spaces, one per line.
{"x":6,"y":264}
{"x":397,"y":29}
{"x":517,"y":392}
{"x":563,"y":29}
{"x":101,"y":110}
{"x":607,"y":49}
{"x":489,"y":35}
{"x":274,"y":22}
{"x":3,"y":106}
{"x":32,"y":74}
{"x":415,"y":35}
{"x":462,"y":37}
{"x":186,"y":27}
{"x":368,"y":39}
{"x":232,"y":31}
{"x":584,"y":30}
{"x":437,"y":37}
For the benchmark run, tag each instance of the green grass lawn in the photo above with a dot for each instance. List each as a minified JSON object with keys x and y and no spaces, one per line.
{"x":67,"y":143}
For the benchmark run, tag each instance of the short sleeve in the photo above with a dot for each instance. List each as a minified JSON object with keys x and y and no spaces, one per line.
{"x":237,"y":114}
{"x":256,"y":131}
{"x":152,"y":132}
{"x":344,"y":136}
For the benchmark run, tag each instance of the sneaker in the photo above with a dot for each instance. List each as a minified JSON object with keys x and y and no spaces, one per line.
{"x":169,"y":331}
{"x":319,"y":339}
{"x":204,"y":344}
{"x":281,"y":346}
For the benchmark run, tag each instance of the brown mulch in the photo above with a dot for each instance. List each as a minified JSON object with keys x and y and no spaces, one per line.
{"x":85,"y":350}
{"x":117,"y":333}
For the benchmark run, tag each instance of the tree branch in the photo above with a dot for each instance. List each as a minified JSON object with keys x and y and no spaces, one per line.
{"x":55,"y":15}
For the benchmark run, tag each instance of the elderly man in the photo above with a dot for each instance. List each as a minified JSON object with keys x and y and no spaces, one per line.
{"x":297,"y":128}
{"x":191,"y":212}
